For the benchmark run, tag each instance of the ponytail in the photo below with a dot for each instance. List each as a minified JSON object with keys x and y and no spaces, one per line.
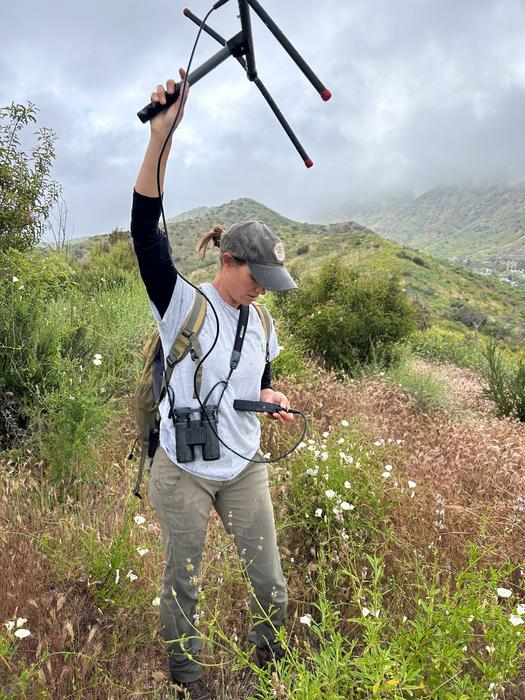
{"x":213,"y":237}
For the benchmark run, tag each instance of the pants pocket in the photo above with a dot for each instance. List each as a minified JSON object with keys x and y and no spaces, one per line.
{"x":165,"y":474}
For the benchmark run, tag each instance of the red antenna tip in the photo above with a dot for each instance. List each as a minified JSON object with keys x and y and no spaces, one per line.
{"x":308,"y":163}
{"x":326,"y":95}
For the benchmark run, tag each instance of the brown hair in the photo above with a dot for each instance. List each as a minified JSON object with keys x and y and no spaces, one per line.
{"x":213,"y":236}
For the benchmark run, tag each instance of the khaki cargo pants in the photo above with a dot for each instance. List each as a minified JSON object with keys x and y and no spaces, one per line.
{"x":182,"y":502}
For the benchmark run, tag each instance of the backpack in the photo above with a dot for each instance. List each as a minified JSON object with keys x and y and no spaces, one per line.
{"x":157,"y":371}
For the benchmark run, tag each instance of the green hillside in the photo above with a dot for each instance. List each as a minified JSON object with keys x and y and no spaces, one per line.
{"x":480,"y":227}
{"x":448,"y":290}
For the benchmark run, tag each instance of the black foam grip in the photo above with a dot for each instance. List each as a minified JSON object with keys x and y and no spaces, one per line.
{"x":153,"y":108}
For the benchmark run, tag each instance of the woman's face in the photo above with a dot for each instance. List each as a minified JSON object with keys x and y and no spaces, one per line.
{"x":238,"y":282}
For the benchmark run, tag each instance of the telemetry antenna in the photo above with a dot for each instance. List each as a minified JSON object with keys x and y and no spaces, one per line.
{"x":241,"y":47}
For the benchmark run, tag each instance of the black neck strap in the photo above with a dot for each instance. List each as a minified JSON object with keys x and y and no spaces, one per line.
{"x":244,"y":312}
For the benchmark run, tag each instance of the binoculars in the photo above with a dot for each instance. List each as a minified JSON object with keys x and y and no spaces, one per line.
{"x":197,"y":431}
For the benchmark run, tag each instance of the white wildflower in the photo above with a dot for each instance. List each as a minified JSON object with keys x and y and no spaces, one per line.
{"x":329,"y":493}
{"x":306,"y":620}
{"x":142,"y":551}
{"x":345,"y":423}
{"x":21,"y":621}
{"x":386,"y":475}
{"x":139,"y":519}
{"x":97,"y":361}
{"x":347,"y":506}
{"x":156,"y":601}
{"x":503,"y":592}
{"x":10,"y":624}
{"x":388,"y":467}
{"x":520,"y":609}
{"x":318,"y":512}
{"x":340,"y":441}
{"x":365,"y":612}
{"x":490,"y":649}
{"x":131,"y":576}
{"x":15,"y":278}
{"x":516,"y":620}
{"x":324,"y":456}
{"x":411,"y":484}
{"x":326,"y":434}
{"x":22,"y":633}
{"x":347,"y":485}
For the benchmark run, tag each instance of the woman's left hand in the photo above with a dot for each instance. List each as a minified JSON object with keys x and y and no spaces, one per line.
{"x":271,"y":396}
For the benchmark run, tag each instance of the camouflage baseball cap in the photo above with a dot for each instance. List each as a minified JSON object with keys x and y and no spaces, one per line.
{"x":256,"y":243}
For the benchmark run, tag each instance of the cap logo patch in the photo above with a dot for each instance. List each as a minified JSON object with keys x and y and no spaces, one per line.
{"x":279,"y":251}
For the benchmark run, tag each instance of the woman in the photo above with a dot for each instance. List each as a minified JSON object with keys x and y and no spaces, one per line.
{"x":251,"y":258}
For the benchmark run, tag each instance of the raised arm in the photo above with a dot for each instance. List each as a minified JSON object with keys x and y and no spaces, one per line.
{"x":151,"y":245}
{"x":147,"y":178}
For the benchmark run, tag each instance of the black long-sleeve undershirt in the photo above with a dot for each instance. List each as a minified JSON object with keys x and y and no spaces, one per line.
{"x":156,"y":266}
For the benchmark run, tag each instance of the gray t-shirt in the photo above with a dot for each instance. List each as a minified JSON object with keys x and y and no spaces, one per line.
{"x":240,"y":430}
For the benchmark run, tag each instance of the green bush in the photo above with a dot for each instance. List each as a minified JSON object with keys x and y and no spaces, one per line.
{"x":506,"y":383}
{"x":347,"y":319}
{"x":70,"y":338}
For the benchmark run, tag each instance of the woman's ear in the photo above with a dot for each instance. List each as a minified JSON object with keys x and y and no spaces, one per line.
{"x":227,"y":259}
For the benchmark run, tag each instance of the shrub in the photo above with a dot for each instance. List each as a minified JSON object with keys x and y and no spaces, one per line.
{"x":27,"y":194}
{"x":470,"y":316}
{"x":302,"y":249}
{"x":348,"y":319}
{"x":67,"y":335}
{"x":506,"y":383}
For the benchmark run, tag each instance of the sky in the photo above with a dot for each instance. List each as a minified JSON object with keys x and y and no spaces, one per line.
{"x":425,"y":93}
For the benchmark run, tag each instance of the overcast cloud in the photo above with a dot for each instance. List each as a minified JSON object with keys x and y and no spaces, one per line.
{"x":425,"y":92}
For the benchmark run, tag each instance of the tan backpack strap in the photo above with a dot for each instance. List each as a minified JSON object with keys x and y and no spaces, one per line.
{"x":266,"y":321}
{"x":187,"y":339}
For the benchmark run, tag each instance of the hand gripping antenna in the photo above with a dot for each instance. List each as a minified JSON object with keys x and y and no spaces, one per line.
{"x":241,"y":47}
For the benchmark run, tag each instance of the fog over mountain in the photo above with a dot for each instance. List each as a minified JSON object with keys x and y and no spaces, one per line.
{"x":424,"y":94}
